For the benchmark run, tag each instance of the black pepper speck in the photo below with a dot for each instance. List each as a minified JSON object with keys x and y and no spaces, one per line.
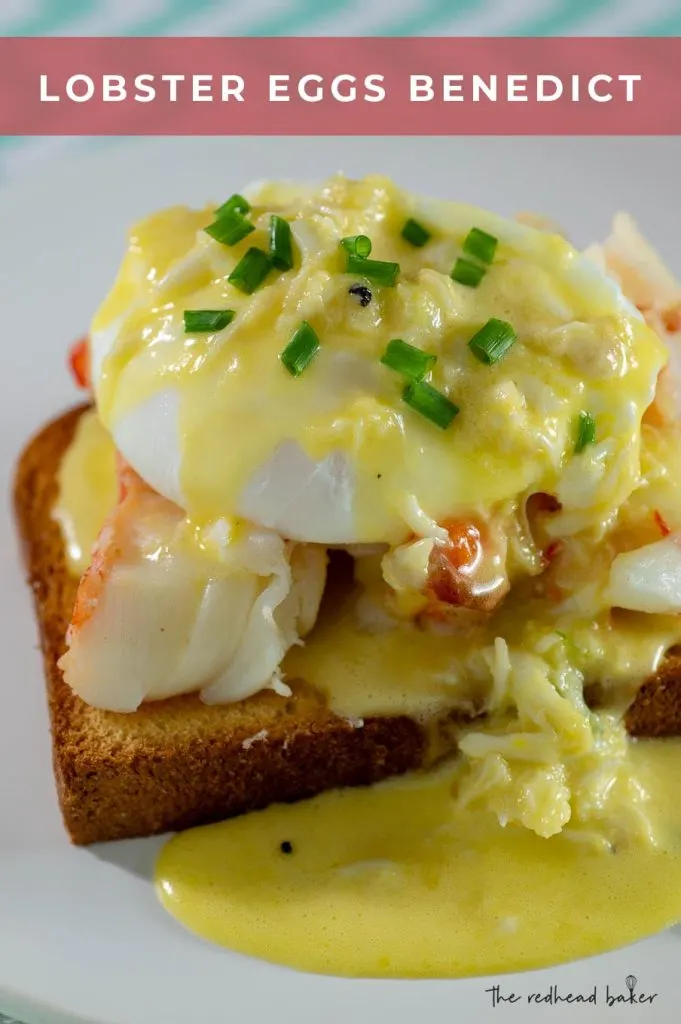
{"x":362,"y":292}
{"x":286,"y":847}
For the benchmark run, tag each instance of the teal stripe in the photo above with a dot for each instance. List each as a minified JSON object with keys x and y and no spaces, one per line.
{"x":300,"y":16}
{"x":670,"y":25}
{"x":172,"y":17}
{"x":53,"y":16}
{"x":431,"y":14}
{"x":566,"y":16}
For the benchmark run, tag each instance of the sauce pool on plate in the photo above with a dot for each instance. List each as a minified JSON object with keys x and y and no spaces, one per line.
{"x":397,"y":881}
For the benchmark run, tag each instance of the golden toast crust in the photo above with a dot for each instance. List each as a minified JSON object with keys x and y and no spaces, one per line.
{"x":179,"y":763}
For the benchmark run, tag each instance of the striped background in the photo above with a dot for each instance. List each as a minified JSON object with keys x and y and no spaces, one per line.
{"x":340,"y":17}
{"x":314,"y":17}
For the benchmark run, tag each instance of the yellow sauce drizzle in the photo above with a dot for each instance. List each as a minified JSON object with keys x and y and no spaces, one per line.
{"x":514,"y":432}
{"x":87,"y":490}
{"x":393,"y":881}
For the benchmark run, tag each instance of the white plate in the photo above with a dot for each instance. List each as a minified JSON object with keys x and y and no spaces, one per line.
{"x":81,"y":934}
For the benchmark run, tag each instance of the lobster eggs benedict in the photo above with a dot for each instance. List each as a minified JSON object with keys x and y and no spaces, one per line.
{"x":480,"y":423}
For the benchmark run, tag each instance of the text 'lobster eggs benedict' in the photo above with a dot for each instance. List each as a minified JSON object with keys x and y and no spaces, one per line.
{"x":478,"y":422}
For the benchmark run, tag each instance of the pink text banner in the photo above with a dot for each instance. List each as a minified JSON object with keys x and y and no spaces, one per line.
{"x":350,"y":86}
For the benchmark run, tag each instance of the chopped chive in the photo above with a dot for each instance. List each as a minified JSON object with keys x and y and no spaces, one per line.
{"x":415,"y":233}
{"x":377,"y":271}
{"x":413,"y":363}
{"x":468,"y":273}
{"x":430,"y":402}
{"x":281,"y":243}
{"x":586,"y":432}
{"x":250,"y":271}
{"x":201,"y":320}
{"x":235,"y":202}
{"x":492,"y":341}
{"x":230,"y":227}
{"x":357,"y":245}
{"x":301,"y":349}
{"x":480,"y":245}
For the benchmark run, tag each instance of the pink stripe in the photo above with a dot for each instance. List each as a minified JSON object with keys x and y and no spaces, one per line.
{"x":647,"y":104}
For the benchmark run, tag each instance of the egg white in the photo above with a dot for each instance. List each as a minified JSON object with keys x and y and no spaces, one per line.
{"x":291,"y":493}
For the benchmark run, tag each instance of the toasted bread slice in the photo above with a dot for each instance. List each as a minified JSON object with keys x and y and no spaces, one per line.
{"x":178,"y":763}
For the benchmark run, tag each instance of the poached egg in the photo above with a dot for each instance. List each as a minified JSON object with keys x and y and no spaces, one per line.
{"x":213,"y":422}
{"x":493,"y":553}
{"x":549,"y":506}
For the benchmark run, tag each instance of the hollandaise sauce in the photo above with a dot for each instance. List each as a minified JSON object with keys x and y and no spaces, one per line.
{"x":395,"y":881}
{"x":87,"y":490}
{"x":458,"y":415}
{"x":485,"y":422}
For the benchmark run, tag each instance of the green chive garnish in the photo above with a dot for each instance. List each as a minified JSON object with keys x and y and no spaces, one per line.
{"x":301,"y":350}
{"x":415,"y":233}
{"x":413,"y":363}
{"x":468,"y":273}
{"x":357,"y":245}
{"x":492,"y":341}
{"x":480,"y":245}
{"x":281,"y":243}
{"x":197,"y":321}
{"x":250,"y":271}
{"x":431,"y":403}
{"x":378,"y":271}
{"x":586,"y":431}
{"x":235,"y":202}
{"x":230,"y":227}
